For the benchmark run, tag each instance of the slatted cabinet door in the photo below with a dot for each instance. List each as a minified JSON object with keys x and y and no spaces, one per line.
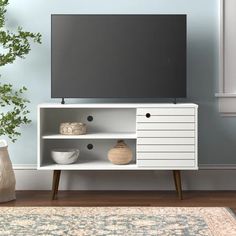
{"x":167,"y":137}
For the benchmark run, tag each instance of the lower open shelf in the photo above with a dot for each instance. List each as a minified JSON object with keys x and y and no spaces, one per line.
{"x":106,"y":165}
{"x":91,"y":165}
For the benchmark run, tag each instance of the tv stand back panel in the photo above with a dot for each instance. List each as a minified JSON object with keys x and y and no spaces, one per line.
{"x":161,"y":136}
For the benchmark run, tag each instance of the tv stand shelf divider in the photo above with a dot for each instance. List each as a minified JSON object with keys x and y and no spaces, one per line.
{"x":161,"y":136}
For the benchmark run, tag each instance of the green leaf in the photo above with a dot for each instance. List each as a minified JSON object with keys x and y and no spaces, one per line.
{"x":15,"y":45}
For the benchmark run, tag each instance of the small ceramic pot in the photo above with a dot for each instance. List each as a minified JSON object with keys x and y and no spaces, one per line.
{"x":121,"y":154}
{"x":65,"y":156}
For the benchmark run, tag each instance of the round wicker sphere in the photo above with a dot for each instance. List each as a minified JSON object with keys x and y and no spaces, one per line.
{"x":121,"y":154}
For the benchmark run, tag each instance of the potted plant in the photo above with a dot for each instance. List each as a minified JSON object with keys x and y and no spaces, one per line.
{"x":13,"y":105}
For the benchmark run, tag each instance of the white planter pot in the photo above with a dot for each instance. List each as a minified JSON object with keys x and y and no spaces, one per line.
{"x":7,"y":176}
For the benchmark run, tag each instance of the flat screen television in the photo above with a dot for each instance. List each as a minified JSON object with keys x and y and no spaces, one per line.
{"x":118,"y":56}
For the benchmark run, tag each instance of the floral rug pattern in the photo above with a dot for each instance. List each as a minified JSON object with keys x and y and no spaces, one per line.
{"x":104,"y":221}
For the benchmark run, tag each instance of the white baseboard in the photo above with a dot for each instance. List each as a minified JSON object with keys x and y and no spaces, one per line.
{"x":217,"y":177}
{"x":217,"y":167}
{"x":25,"y":167}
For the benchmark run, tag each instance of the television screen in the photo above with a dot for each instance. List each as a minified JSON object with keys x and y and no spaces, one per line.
{"x":118,"y":56}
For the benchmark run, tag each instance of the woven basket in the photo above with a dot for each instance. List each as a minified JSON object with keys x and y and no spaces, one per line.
{"x":121,"y":154}
{"x":74,"y":128}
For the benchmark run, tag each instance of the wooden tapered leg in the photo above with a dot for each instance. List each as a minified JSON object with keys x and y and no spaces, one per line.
{"x":55,"y":183}
{"x":178,"y":186}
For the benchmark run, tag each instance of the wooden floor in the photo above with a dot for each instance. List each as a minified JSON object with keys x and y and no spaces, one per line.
{"x":126,"y":198}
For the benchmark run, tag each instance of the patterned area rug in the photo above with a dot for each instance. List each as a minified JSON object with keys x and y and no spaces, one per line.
{"x":116,"y":221}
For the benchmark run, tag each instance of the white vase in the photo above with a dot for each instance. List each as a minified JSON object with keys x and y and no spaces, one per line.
{"x":7,"y":176}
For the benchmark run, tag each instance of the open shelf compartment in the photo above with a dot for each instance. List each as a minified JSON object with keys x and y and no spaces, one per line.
{"x":96,"y":158}
{"x":106,"y":121}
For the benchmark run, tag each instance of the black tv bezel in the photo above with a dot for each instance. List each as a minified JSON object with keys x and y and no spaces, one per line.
{"x":120,"y":98}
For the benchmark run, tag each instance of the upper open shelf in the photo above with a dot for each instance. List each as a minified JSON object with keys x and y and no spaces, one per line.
{"x":127,"y":135}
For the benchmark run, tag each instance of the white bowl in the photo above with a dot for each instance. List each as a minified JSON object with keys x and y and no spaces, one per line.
{"x":65,"y":156}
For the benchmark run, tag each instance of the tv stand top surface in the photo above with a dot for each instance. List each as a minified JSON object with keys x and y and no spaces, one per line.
{"x":114,"y":105}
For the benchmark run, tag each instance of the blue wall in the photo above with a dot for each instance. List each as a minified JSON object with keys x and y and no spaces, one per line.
{"x":217,"y":135}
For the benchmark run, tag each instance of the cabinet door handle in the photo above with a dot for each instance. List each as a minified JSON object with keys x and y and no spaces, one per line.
{"x":148,"y":115}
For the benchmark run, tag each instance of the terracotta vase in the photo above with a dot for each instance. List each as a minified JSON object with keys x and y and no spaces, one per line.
{"x":121,"y":154}
{"x":7,"y":176}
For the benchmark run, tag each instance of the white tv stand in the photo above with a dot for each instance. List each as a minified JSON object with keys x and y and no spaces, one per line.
{"x":161,"y":136}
